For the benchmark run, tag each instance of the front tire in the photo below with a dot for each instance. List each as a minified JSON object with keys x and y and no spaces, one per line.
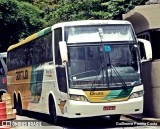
{"x":15,"y":102}
{"x":115,"y":117}
{"x":52,"y":111}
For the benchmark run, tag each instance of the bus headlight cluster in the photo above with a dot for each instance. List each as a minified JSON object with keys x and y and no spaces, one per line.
{"x":136,"y":94}
{"x":78,"y":97}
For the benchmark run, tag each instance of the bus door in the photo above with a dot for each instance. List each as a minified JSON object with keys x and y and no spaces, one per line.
{"x":60,"y":70}
{"x":62,"y":86}
{"x":62,"y":81}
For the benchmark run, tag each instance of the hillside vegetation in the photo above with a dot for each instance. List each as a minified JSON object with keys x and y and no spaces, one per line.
{"x":21,"y":18}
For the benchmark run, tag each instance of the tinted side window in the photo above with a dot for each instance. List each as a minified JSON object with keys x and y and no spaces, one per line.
{"x":40,"y":50}
{"x":35,"y":52}
{"x":61,"y":77}
{"x":57,"y":38}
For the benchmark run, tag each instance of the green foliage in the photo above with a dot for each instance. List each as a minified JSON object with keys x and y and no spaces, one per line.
{"x":69,"y":10}
{"x":29,"y":1}
{"x":17,"y":20}
{"x":20,"y":18}
{"x":118,"y":7}
{"x":31,"y":18}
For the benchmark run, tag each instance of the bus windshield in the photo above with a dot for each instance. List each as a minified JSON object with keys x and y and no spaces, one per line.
{"x":103,"y":66}
{"x":101,"y":33}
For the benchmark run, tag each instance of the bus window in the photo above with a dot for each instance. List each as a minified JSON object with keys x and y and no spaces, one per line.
{"x":57,"y":38}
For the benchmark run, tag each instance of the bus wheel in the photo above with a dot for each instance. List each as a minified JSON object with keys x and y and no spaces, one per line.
{"x":115,"y":117}
{"x":52,"y":111}
{"x":19,"y":106}
{"x":15,"y":102}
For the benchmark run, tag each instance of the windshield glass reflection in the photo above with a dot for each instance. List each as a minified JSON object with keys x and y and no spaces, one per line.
{"x":91,"y":66}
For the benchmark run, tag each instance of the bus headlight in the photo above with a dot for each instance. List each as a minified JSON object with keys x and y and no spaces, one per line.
{"x":78,"y":97}
{"x":136,"y":94}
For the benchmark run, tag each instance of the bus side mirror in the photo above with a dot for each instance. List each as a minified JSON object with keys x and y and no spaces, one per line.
{"x":145,"y":49}
{"x":63,"y":51}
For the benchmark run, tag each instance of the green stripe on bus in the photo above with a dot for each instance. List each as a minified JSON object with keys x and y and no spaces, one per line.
{"x":44,"y":31}
{"x":125,"y":93}
{"x":36,"y":82}
{"x":116,"y":94}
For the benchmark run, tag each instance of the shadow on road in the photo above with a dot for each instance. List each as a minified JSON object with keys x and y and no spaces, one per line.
{"x":89,"y":123}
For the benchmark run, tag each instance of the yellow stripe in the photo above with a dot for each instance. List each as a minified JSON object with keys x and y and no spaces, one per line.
{"x":98,"y":96}
{"x":97,"y":100}
{"x":32,"y":37}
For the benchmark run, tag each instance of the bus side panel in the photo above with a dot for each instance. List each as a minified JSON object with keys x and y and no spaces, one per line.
{"x":33,"y":84}
{"x":45,"y":84}
{"x":19,"y":83}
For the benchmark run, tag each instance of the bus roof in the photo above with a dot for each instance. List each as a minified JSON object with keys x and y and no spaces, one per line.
{"x":32,"y":37}
{"x":90,"y":22}
{"x":71,"y":23}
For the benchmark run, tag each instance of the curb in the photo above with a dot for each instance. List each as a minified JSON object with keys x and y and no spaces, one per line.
{"x":134,"y":117}
{"x":142,"y":118}
{"x":152,"y":120}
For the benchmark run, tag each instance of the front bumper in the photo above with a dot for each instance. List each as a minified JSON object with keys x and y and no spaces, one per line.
{"x":78,"y":109}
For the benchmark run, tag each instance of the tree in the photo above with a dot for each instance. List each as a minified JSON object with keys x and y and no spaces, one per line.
{"x":17,"y":21}
{"x":69,"y":10}
{"x":20,"y":18}
{"x":118,"y":7}
{"x":55,"y":11}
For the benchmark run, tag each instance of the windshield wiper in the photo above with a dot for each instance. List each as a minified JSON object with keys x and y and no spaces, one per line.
{"x":120,"y":78}
{"x":117,"y":74}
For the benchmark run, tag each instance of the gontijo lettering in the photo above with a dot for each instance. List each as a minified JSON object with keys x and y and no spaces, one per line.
{"x":96,"y":93}
{"x":21,"y":75}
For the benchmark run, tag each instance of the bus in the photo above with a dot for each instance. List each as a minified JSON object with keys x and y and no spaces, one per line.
{"x":78,"y":69}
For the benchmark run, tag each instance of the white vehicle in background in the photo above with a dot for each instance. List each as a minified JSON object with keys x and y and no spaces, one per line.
{"x":3,"y":70}
{"x":6,"y":111}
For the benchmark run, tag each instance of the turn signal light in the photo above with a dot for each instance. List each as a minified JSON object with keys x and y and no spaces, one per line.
{"x":4,"y":80}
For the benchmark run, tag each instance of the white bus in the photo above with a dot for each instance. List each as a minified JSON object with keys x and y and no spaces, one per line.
{"x":78,"y":69}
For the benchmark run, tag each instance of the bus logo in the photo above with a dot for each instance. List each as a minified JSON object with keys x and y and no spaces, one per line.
{"x":95,"y":93}
{"x":61,"y":106}
{"x":21,"y":75}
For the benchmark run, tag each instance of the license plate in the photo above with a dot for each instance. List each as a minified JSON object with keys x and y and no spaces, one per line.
{"x":109,"y":108}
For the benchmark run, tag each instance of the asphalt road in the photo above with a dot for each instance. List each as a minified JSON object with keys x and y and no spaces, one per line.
{"x":29,"y":119}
